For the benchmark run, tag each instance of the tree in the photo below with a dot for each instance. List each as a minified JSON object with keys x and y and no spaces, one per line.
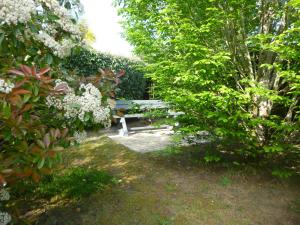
{"x":231,"y":66}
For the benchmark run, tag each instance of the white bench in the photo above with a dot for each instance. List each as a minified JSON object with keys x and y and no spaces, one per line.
{"x":143,"y":104}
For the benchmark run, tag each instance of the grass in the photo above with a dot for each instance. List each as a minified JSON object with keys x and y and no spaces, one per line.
{"x":161,"y":188}
{"x":74,"y":183}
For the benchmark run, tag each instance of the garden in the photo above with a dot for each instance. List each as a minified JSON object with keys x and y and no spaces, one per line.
{"x":224,"y":77}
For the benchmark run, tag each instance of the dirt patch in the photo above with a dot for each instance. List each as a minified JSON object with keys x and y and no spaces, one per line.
{"x":165,"y":190}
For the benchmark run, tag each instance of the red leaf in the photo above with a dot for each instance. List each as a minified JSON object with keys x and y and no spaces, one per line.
{"x":26,"y":108}
{"x":2,"y":180}
{"x":121,"y":73}
{"x":43,"y":71}
{"x":64,"y":132}
{"x":19,"y":84}
{"x":57,"y":133}
{"x":19,"y":120}
{"x":15,"y":99}
{"x":33,"y":71}
{"x":36,"y":177}
{"x":36,"y":149}
{"x":51,"y":154}
{"x":26,"y":69}
{"x":16,"y":72}
{"x":21,"y":92}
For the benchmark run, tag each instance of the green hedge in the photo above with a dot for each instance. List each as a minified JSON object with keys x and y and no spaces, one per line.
{"x":88,"y":62}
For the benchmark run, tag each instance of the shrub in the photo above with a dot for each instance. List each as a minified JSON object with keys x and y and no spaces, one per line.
{"x":233,"y":74}
{"x":87,"y":62}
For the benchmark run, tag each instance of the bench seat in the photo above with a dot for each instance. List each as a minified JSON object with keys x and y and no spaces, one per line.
{"x":143,"y":104}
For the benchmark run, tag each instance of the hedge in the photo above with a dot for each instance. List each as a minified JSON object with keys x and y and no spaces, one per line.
{"x":87,"y":62}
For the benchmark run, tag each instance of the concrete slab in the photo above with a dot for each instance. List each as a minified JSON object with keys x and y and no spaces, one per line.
{"x":145,"y":141}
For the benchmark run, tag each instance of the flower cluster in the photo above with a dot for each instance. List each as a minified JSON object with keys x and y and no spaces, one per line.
{"x":78,"y":106}
{"x":5,"y":218}
{"x":13,"y":12}
{"x":60,"y":49}
{"x":64,"y":16}
{"x":80,"y":136}
{"x":5,"y":87}
{"x":4,"y":195}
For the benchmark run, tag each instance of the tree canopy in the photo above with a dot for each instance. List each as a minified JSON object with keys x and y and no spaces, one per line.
{"x":231,"y":66}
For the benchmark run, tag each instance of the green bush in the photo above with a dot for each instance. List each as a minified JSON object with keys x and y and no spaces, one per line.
{"x":87,"y":62}
{"x":218,"y":63}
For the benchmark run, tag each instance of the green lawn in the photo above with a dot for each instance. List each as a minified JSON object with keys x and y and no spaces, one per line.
{"x":165,"y":189}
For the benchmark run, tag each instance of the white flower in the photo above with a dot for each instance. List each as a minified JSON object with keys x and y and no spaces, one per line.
{"x":16,"y":11}
{"x":64,"y":16}
{"x":4,"y":195}
{"x":5,"y":218}
{"x":77,"y":106}
{"x":80,"y":136}
{"x":6,"y":87}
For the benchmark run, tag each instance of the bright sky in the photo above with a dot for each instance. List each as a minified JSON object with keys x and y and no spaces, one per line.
{"x":103,"y":20}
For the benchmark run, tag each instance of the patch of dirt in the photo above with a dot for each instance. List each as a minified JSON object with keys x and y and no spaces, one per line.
{"x":156,"y":189}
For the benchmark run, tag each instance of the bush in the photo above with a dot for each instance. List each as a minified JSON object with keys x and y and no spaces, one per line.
{"x":210,"y":61}
{"x":86,"y":62}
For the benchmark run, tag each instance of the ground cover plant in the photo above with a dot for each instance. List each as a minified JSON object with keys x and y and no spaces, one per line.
{"x":231,"y":66}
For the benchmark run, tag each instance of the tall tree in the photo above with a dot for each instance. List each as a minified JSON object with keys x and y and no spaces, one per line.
{"x":232,"y":66}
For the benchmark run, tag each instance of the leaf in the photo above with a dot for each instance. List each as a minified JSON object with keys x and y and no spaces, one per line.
{"x":36,"y":177}
{"x":16,"y":72}
{"x":43,"y":71}
{"x":21,"y":92}
{"x":41,"y":163}
{"x":40,"y":143}
{"x":33,"y":71}
{"x":64,"y":132}
{"x":26,"y":108}
{"x":51,"y":154}
{"x":6,"y":110}
{"x":1,"y":38}
{"x":19,"y":120}
{"x":47,"y":140}
{"x":14,"y":100}
{"x":49,"y":59}
{"x":26,"y":98}
{"x":26,"y":69}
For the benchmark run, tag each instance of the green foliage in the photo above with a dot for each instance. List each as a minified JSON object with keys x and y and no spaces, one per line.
{"x":282,"y":173}
{"x":156,"y":113}
{"x":28,"y":142}
{"x":74,"y":183}
{"x":225,"y":181}
{"x":71,"y":183}
{"x":231,"y":72}
{"x":88,"y":62}
{"x":209,"y":158}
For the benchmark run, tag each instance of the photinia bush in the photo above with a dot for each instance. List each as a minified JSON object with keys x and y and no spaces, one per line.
{"x":28,"y":142}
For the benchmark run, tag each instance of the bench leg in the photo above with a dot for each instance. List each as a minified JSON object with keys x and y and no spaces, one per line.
{"x":124,"y":130}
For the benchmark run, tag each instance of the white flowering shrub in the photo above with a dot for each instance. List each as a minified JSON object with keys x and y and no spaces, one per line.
{"x":13,"y":12}
{"x":31,"y":28}
{"x":81,"y":107}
